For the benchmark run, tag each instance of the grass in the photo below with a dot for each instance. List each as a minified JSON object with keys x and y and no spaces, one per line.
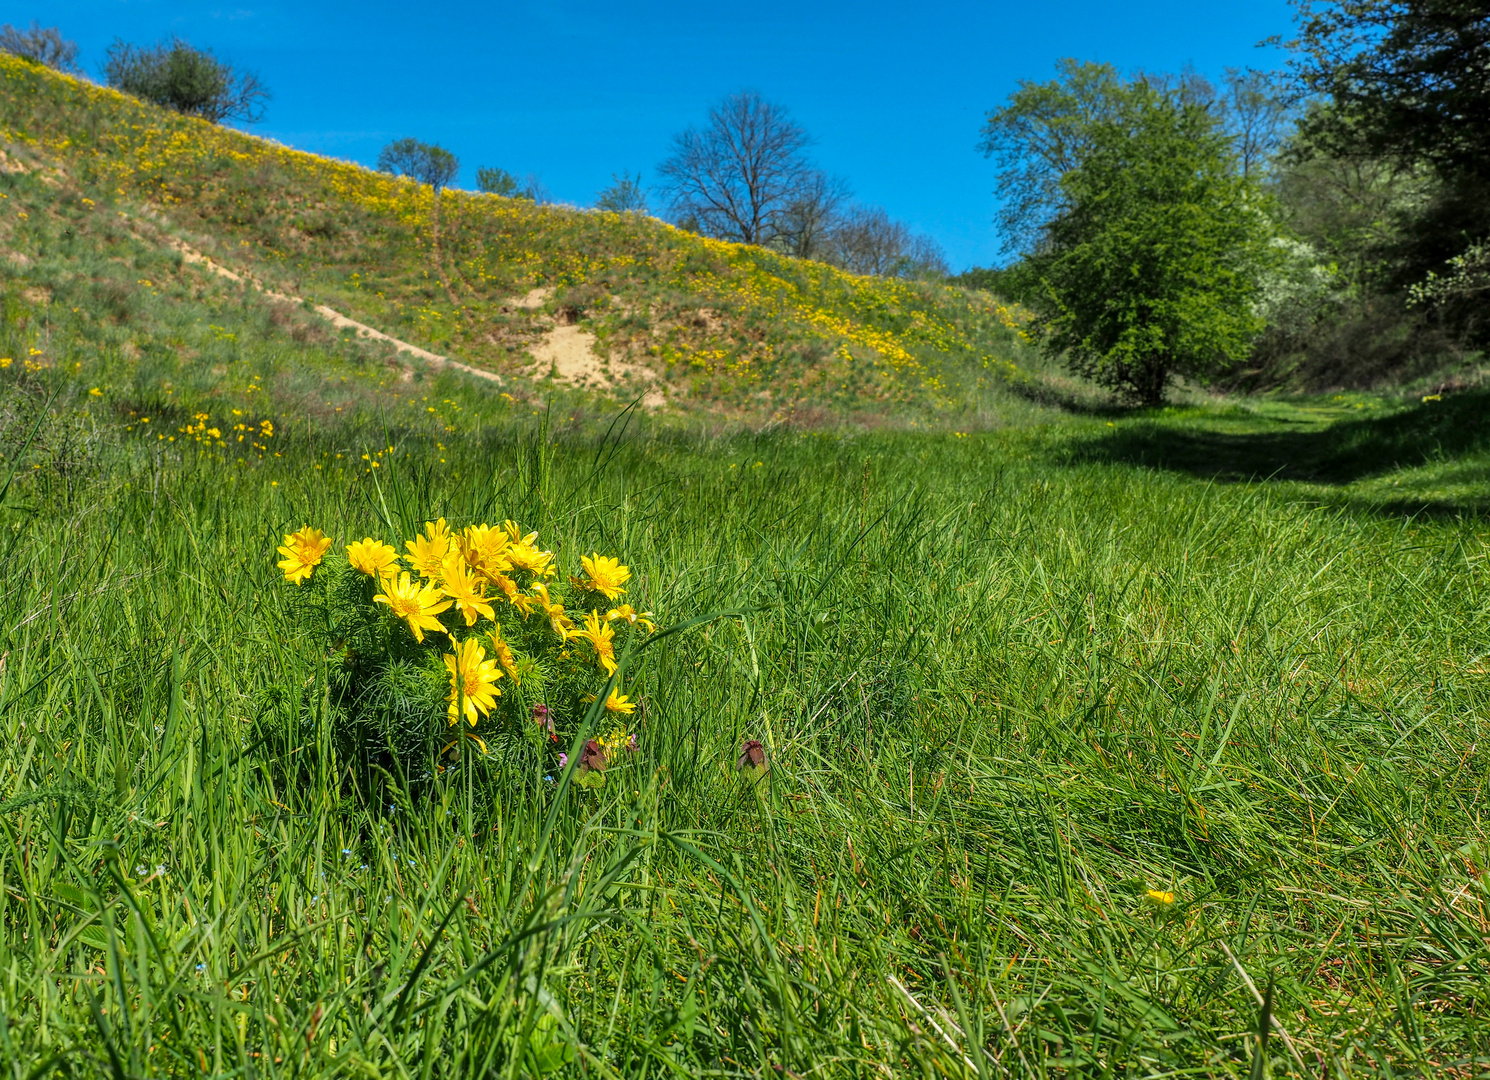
{"x":1087,"y":731}
{"x":1008,"y":683}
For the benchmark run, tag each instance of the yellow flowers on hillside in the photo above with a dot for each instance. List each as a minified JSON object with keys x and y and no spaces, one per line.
{"x":477,"y":605}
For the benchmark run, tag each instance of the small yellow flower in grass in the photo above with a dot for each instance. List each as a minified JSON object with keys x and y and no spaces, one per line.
{"x":606,"y":575}
{"x":473,"y":682}
{"x":427,"y":552}
{"x":414,"y":603}
{"x":618,"y":702}
{"x":462,"y":587}
{"x":600,"y":636}
{"x":1159,"y":898}
{"x":554,"y":610}
{"x":632,"y":616}
{"x":303,"y":552}
{"x":372,"y":557}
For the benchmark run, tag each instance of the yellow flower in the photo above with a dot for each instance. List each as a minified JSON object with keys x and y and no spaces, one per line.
{"x":372,"y":557}
{"x":417,"y":605}
{"x":502,"y":653}
{"x":554,"y":610}
{"x":523,"y":553}
{"x":303,"y":552}
{"x":618,"y":702}
{"x":462,"y":587}
{"x":1159,"y":897}
{"x":485,"y":549}
{"x":427,"y":552}
{"x":631,"y":615}
{"x":606,"y":576}
{"x":599,"y":635}
{"x":473,"y":679}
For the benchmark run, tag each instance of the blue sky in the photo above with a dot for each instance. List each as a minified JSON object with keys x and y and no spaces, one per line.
{"x":576,"y":90}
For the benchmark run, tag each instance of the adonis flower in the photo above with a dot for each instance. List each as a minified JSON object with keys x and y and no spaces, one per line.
{"x":600,"y":636}
{"x":485,"y":549}
{"x":632,"y":616}
{"x":414,"y":603}
{"x":606,"y":575}
{"x":503,"y":654}
{"x":372,"y":557}
{"x":427,"y":552}
{"x":523,"y":554}
{"x":462,"y":587}
{"x":473,"y":678}
{"x":303,"y":552}
{"x":563,"y":625}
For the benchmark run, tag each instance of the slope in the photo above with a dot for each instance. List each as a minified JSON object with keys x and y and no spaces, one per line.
{"x":621,"y":304}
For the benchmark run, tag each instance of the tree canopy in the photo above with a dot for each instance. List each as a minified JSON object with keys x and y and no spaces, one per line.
{"x":190,"y":80}
{"x":425,"y":162}
{"x":1151,"y":264}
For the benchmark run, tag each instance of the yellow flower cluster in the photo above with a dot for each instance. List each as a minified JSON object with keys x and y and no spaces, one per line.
{"x":449,"y":583}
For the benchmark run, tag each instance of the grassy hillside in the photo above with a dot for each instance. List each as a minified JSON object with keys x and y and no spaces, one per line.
{"x":710,"y":325}
{"x":1081,"y":735}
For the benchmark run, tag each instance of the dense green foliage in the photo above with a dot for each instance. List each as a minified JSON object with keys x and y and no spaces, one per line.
{"x":425,"y":162}
{"x":192,"y":81}
{"x":1151,"y":268}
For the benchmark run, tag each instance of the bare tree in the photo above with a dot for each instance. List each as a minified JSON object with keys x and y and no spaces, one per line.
{"x":866,"y":240}
{"x":735,"y":178}
{"x":806,"y":223}
{"x":1258,"y":113}
{"x":40,"y":45}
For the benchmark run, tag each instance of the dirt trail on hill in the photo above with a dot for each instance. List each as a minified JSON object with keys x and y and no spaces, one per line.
{"x":334,"y":317}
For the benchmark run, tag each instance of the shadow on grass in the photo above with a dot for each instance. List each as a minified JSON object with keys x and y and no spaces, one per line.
{"x":1336,"y":453}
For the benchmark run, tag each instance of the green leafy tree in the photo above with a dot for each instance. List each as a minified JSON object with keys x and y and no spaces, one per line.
{"x":1152,"y":265}
{"x":495,"y":181}
{"x":425,"y":162}
{"x":193,"y":81}
{"x":625,"y":195}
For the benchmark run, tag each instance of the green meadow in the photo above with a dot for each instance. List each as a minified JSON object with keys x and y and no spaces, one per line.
{"x":1095,"y":743}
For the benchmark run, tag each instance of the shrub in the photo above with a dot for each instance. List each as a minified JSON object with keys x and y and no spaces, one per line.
{"x":625,"y":195}
{"x":189,"y":80}
{"x":498,"y":182}
{"x":468,"y":646}
{"x":425,"y":162}
{"x":40,"y":45}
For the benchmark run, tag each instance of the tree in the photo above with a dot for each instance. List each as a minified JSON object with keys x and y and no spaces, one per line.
{"x":424,"y":162}
{"x":625,"y":195}
{"x":1152,"y":265}
{"x":735,"y":178}
{"x":1408,"y":79}
{"x":865,"y":240}
{"x":497,"y":182}
{"x":1258,"y":113}
{"x":40,"y":45}
{"x":192,"y":81}
{"x":804,"y":227}
{"x":1042,"y":133}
